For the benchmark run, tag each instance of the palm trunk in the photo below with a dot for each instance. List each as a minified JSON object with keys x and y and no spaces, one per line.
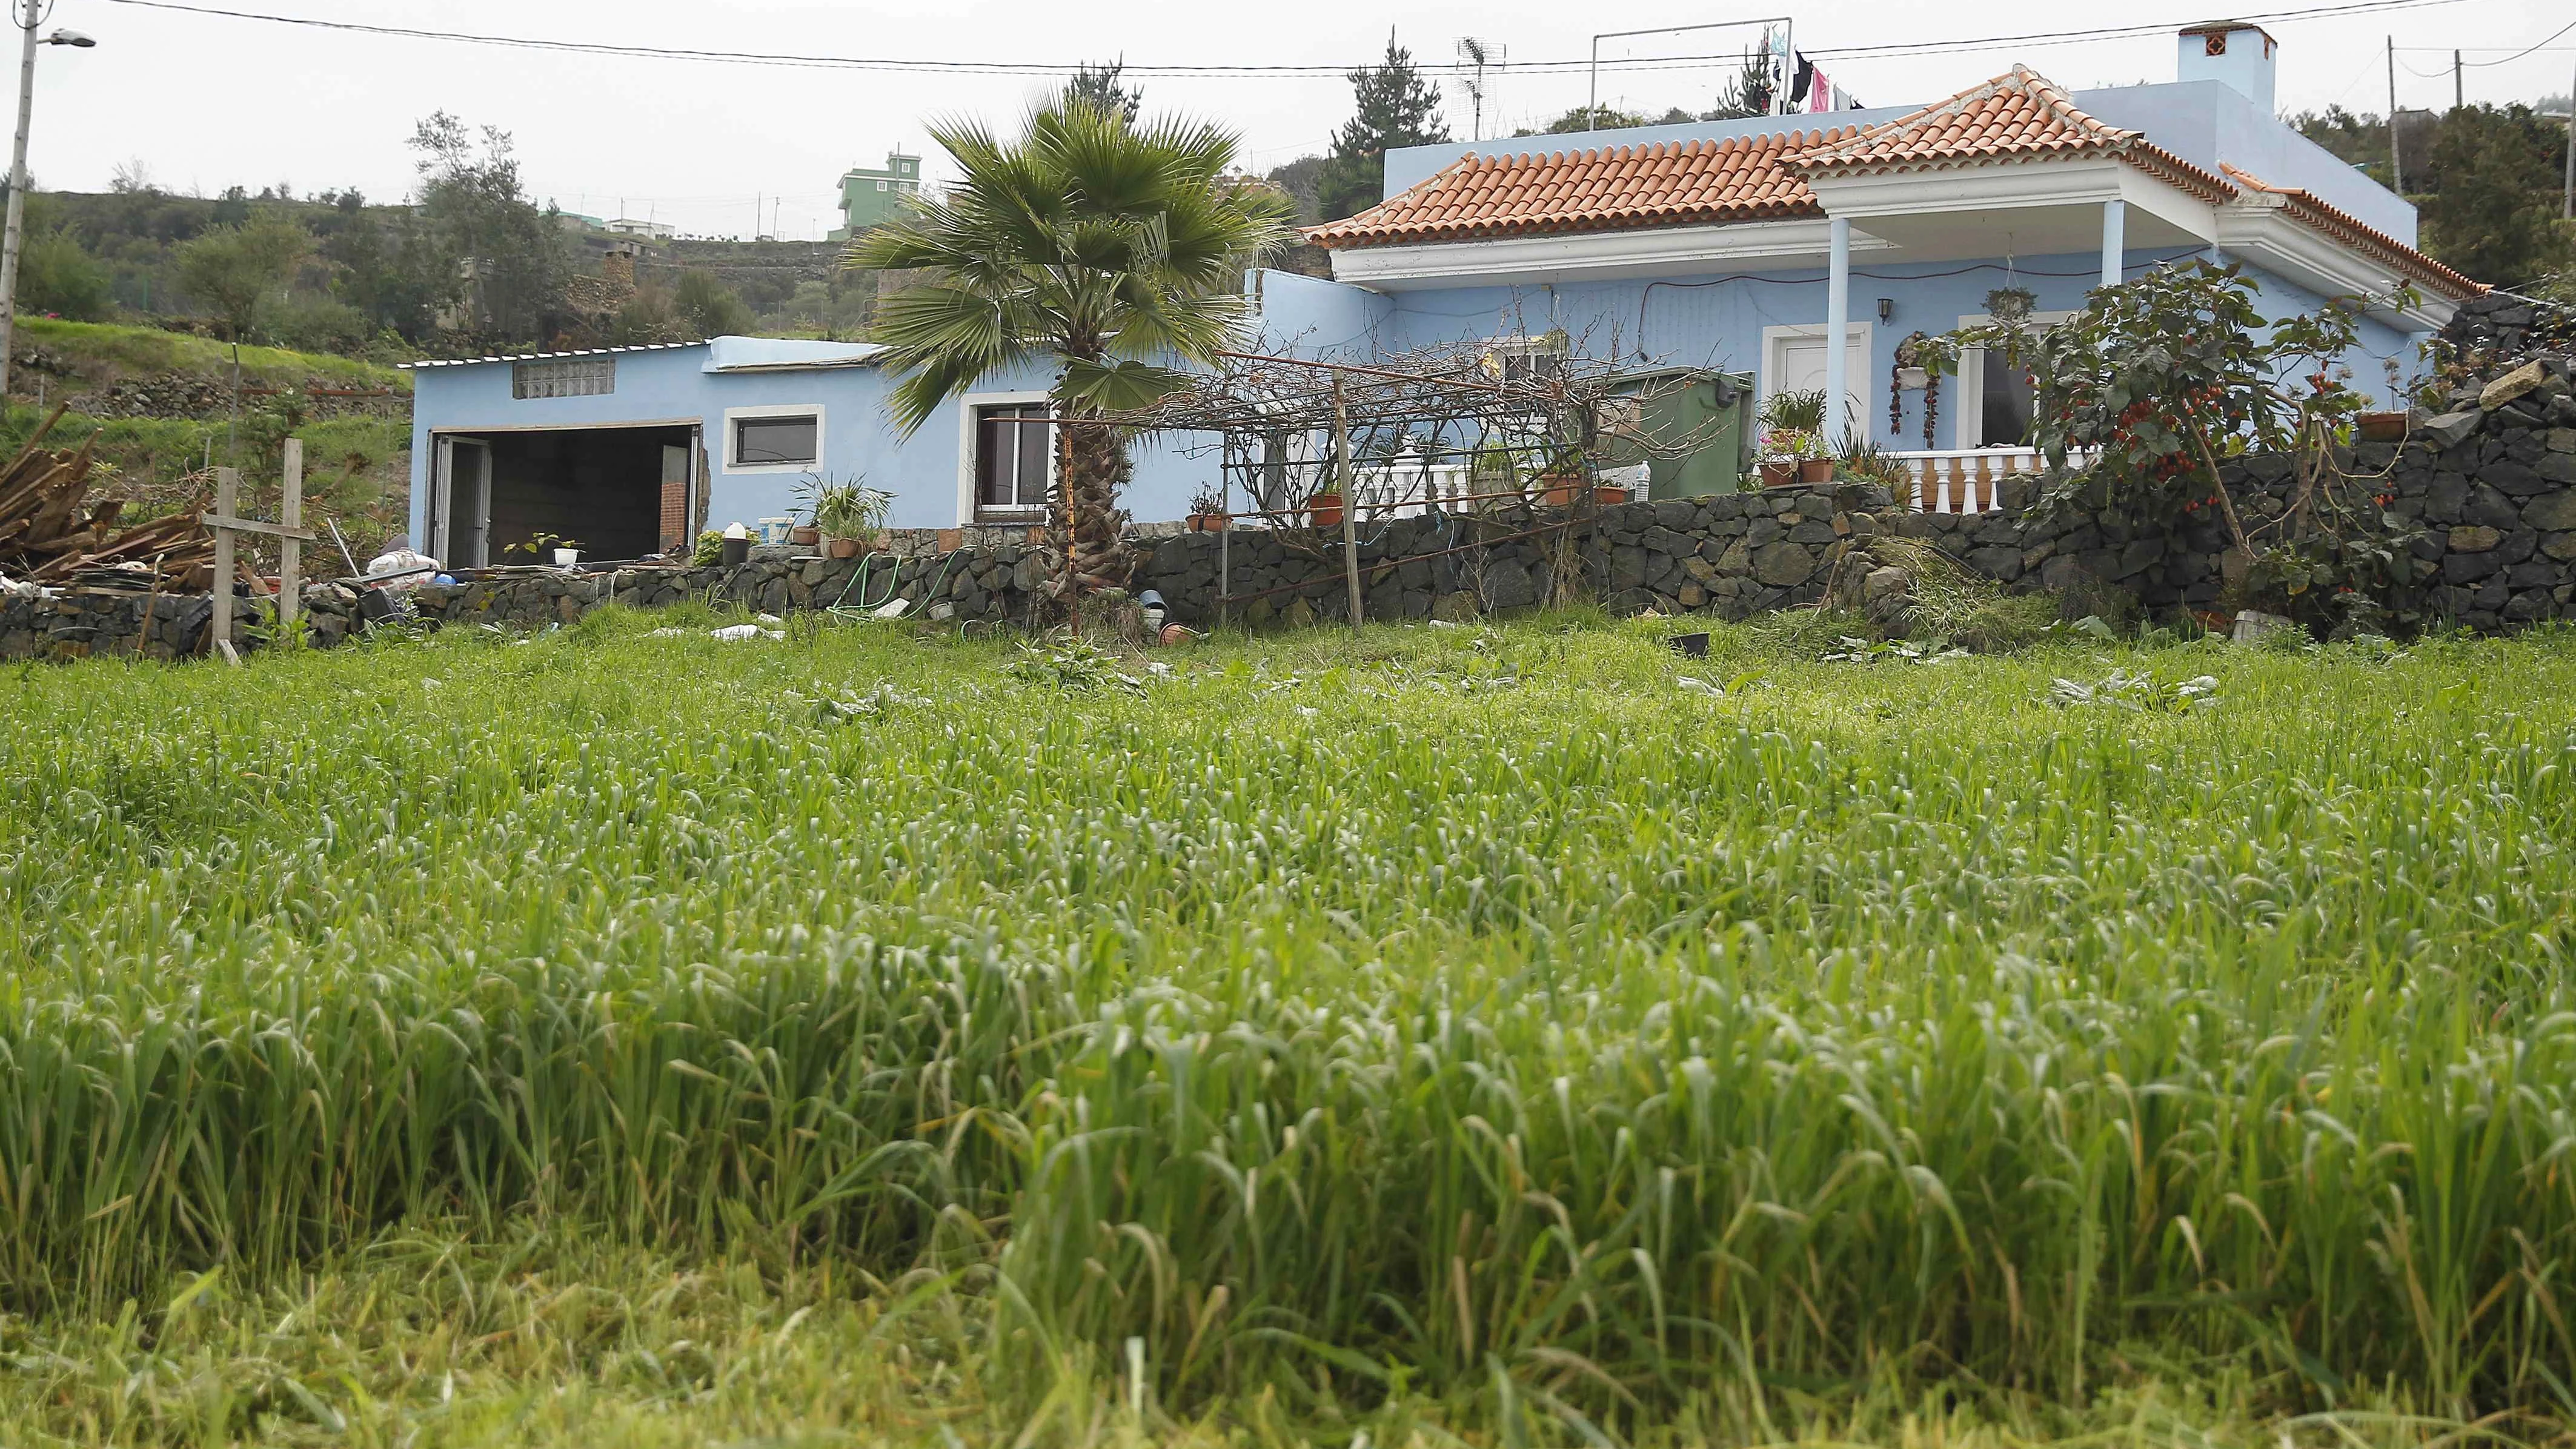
{"x":1088,"y":527}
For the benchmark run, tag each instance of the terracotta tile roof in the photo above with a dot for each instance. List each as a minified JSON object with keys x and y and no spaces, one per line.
{"x":2353,"y":232}
{"x":2018,"y":115}
{"x":1607,"y":188}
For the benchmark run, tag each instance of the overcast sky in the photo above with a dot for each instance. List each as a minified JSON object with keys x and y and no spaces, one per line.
{"x":205,"y":102}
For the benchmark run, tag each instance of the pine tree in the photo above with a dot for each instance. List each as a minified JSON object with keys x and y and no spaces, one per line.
{"x":2493,"y":213}
{"x":1099,"y":84}
{"x":1396,"y":108}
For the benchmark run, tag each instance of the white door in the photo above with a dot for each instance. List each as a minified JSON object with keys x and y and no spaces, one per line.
{"x":1797,"y":364}
{"x":460,"y":504}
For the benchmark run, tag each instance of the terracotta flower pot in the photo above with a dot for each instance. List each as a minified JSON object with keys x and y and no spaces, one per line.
{"x":804,"y":535}
{"x":1779,"y":475}
{"x":1208,"y":522}
{"x":1560,"y":492}
{"x":2383,"y":427}
{"x":1324,"y":510}
{"x":1608,"y":494}
{"x":1816,"y":470}
{"x":842,"y":548}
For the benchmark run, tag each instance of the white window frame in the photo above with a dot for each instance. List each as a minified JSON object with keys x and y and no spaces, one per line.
{"x":970,"y":407}
{"x":732,"y":436}
{"x":1775,"y":341}
{"x":1968,"y":415}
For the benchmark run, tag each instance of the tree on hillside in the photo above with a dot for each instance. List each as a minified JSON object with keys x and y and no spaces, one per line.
{"x":1110,"y":248}
{"x":1591,"y":118}
{"x":707,"y":307}
{"x":1395,"y":108}
{"x":1099,"y":84}
{"x":2495,"y":215}
{"x":1299,"y":178}
{"x":233,"y":271}
{"x":505,"y":264}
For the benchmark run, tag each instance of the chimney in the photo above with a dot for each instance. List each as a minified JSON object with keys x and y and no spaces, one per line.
{"x":2236,"y":52}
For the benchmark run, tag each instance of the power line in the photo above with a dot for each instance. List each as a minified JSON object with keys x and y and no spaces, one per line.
{"x":974,"y":67}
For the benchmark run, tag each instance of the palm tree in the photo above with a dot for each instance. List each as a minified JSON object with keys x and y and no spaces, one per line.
{"x":1116,"y":247}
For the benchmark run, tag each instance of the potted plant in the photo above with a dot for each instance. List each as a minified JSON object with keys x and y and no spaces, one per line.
{"x":1792,"y":445}
{"x":850,"y":516}
{"x":805,"y":535}
{"x":2381,"y":427}
{"x":1561,"y":476}
{"x":1207,"y":509}
{"x":1324,"y":507}
{"x":565,"y":551}
{"x":2008,"y":305}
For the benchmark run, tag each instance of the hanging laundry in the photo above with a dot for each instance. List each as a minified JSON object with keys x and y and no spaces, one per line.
{"x":1806,"y":80}
{"x":1820,"y":96}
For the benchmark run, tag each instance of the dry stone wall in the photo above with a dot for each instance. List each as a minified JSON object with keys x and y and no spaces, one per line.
{"x":2489,"y":485}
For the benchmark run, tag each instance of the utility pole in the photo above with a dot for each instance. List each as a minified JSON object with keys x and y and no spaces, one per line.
{"x":26,"y":18}
{"x":2396,"y":165}
{"x":2567,"y":197}
{"x":28,"y":14}
{"x":2459,"y":91}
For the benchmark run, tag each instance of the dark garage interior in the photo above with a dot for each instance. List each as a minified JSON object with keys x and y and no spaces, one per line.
{"x":603,"y":488}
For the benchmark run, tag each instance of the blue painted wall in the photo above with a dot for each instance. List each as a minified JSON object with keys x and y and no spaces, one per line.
{"x":1717,"y":322}
{"x":859,"y":443}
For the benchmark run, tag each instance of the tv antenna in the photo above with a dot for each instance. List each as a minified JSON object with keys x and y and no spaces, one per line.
{"x":1478,"y":54}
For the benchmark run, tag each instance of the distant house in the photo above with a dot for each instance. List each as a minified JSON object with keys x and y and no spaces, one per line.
{"x":870,"y":197}
{"x":1735,"y":252}
{"x":1749,"y":246}
{"x":629,"y":226}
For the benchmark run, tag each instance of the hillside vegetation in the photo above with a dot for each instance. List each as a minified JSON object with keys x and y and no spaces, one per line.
{"x":1519,"y":1033}
{"x":156,"y":409}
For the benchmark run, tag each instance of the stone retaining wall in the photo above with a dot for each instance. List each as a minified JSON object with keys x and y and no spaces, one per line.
{"x":2491,"y":484}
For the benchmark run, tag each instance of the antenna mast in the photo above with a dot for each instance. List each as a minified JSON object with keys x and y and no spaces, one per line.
{"x":1476,"y":55}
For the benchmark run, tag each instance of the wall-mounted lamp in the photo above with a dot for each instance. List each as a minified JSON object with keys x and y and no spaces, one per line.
{"x":1886,"y":308}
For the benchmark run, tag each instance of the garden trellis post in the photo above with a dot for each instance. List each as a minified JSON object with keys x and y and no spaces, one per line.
{"x":1350,"y":503}
{"x":290,"y":533}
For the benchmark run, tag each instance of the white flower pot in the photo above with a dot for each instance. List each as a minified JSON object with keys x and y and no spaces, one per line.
{"x":566,"y":557}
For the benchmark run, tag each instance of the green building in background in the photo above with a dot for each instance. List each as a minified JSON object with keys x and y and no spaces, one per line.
{"x":872,"y":197}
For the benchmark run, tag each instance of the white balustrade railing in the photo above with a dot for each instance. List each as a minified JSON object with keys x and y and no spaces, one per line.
{"x":1407,"y":490}
{"x":1967,"y":480}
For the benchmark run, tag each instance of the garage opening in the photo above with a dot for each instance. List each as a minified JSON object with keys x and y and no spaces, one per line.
{"x":619,"y":493}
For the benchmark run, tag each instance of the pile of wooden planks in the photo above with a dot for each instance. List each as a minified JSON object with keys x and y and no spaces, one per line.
{"x":49,"y":533}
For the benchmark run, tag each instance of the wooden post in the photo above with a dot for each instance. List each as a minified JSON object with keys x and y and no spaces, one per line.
{"x":290,"y":551}
{"x":227,"y":505}
{"x":1225,"y":560}
{"x":1350,"y":504}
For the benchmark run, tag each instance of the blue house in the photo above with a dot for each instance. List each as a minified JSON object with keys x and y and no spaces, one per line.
{"x":1746,"y":246}
{"x":1742,"y":247}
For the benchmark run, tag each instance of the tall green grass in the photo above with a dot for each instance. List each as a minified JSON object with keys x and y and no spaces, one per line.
{"x":1463,"y":1012}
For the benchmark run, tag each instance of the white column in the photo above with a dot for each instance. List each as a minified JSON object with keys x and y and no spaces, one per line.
{"x":2115,"y":245}
{"x":1837,"y":326}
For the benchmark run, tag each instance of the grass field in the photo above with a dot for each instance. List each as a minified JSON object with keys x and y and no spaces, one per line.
{"x":1467,"y":1032}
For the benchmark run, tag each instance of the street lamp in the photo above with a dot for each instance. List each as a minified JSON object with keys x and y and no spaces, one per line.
{"x":29,"y":15}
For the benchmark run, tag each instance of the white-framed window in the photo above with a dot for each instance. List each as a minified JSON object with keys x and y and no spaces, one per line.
{"x":564,"y":377}
{"x":786,"y":439}
{"x":1519,"y":359}
{"x":1006,"y":457}
{"x":1994,"y":404}
{"x":881,"y":186}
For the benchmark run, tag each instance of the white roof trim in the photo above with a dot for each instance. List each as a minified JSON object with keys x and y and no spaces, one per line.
{"x":1567,"y":256}
{"x":547,"y":356}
